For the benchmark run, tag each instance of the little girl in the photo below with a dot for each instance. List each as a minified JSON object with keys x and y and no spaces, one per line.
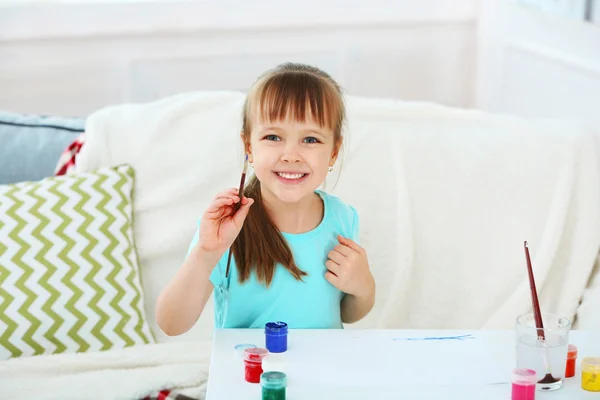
{"x":295,"y":252}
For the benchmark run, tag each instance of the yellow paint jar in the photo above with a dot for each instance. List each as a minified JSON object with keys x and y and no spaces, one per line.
{"x":590,"y":374}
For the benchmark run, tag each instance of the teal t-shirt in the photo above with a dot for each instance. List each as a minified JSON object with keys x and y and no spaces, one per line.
{"x":308,"y":304}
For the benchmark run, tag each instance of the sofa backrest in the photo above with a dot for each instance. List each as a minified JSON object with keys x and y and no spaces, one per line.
{"x":446,"y":199}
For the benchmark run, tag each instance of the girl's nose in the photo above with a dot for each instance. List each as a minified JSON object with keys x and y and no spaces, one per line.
{"x":290,"y":158}
{"x":290,"y":154}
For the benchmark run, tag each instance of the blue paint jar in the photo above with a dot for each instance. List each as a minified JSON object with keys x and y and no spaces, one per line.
{"x":276,"y":336}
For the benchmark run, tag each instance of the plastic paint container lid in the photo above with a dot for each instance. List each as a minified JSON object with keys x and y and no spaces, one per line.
{"x":524,"y":376}
{"x":273,"y":380}
{"x":572,"y":351}
{"x":276,"y":328}
{"x":274,"y":362}
{"x":255,"y":354}
{"x":241,"y":348}
{"x":591,"y":364}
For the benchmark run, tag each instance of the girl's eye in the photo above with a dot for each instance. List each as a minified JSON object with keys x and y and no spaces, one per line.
{"x":311,"y":140}
{"x":272,"y":137}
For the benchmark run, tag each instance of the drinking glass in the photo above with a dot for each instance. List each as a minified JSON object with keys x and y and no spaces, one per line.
{"x":548,"y":356}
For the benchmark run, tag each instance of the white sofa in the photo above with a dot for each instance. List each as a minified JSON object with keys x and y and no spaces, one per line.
{"x":446,"y":198}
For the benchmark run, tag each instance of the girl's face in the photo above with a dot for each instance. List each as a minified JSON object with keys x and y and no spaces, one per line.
{"x":291,"y":159}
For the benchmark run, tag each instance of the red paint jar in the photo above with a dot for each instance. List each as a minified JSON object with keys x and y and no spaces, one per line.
{"x":571,"y":361}
{"x":253,"y":363}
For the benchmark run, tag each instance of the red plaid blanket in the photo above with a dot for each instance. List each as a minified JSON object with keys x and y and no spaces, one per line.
{"x":66,"y":162}
{"x":168,"y":395}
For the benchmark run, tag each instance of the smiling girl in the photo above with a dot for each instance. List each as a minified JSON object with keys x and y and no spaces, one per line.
{"x":296,"y":256}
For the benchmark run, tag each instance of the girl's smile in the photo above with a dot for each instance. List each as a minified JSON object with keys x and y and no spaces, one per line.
{"x":291,"y":177}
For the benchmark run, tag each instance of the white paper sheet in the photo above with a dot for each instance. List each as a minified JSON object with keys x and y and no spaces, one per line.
{"x":380,"y":360}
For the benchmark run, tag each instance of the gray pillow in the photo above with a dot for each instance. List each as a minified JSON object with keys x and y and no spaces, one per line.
{"x":30,"y":145}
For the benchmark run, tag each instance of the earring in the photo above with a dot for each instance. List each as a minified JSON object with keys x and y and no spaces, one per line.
{"x":330,"y":169}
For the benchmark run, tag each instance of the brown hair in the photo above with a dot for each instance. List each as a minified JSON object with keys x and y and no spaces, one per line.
{"x":290,"y":90}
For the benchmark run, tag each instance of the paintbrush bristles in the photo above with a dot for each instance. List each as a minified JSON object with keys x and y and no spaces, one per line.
{"x":245,"y":165}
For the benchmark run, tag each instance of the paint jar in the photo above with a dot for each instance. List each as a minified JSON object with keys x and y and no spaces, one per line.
{"x":274,"y":362}
{"x":571,"y":361}
{"x":273,"y":385}
{"x":276,"y":336}
{"x":253,"y":363}
{"x":523,"y":384}
{"x":590,"y":374}
{"x":240,"y":349}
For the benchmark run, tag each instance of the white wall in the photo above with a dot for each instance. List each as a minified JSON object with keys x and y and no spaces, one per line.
{"x":537,"y":65}
{"x":71,"y":59}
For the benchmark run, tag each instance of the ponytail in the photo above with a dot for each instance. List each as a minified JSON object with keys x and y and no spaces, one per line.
{"x":260,"y":245}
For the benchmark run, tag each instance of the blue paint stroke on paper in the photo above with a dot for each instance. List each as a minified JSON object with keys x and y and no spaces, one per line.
{"x":460,"y":337}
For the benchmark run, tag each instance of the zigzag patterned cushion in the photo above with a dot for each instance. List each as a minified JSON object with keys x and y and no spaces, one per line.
{"x":69,"y":277}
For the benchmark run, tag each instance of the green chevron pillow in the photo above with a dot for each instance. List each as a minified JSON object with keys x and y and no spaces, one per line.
{"x":69,"y":277}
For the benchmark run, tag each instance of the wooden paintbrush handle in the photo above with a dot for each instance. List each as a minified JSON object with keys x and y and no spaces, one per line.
{"x":235,"y":208}
{"x":537,"y":315}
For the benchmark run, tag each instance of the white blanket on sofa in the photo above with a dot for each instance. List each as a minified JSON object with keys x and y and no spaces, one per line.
{"x":131,"y":373}
{"x":446,"y":199}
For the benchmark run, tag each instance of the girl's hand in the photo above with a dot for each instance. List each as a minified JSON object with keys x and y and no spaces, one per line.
{"x":219,"y":225}
{"x":348,"y":269}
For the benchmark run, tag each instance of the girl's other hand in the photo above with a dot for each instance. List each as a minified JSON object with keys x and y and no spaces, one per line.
{"x":348,"y":269}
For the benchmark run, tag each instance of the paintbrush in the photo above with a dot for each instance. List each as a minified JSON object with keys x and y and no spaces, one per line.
{"x":237,"y":206}
{"x":537,"y":315}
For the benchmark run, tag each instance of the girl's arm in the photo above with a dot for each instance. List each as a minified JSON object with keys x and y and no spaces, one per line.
{"x":182,"y":301}
{"x":355,"y":308}
{"x":180,"y":304}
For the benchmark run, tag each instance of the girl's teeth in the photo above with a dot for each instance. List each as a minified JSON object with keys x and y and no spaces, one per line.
{"x":290,"y":176}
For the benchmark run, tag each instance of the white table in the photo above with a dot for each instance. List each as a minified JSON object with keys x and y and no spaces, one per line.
{"x":226,"y":375}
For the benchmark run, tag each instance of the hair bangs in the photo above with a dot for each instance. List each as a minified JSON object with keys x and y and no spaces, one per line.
{"x":299,"y":97}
